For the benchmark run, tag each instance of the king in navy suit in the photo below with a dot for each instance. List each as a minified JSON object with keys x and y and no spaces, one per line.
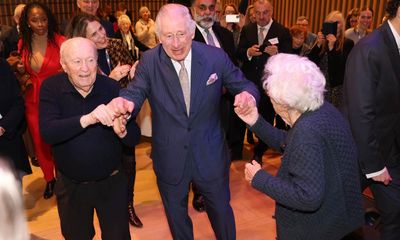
{"x":188,"y":141}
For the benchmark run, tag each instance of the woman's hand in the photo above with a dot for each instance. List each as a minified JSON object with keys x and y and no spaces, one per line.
{"x":120,"y":71}
{"x":246,"y":108}
{"x":331,"y":41}
{"x":320,"y":39}
{"x":251,"y":169}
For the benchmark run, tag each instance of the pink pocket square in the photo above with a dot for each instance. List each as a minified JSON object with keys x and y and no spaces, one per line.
{"x":213,"y":77}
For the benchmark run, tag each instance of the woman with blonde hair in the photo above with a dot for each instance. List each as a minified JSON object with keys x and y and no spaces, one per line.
{"x":145,"y":28}
{"x":330,"y":54}
{"x":128,"y":38}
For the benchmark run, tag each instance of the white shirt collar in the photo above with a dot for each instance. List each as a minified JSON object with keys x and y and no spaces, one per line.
{"x":395,"y":34}
{"x":188,"y":65}
{"x":266,"y":27}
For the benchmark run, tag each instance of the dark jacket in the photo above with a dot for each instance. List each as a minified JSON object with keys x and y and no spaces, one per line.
{"x":372,"y":99}
{"x":12,"y":110}
{"x":253,"y":69}
{"x":317,"y":188}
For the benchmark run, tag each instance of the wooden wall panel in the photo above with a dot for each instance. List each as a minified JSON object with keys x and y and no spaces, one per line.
{"x":285,"y":11}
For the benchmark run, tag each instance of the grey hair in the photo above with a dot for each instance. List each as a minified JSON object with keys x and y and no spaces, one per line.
{"x":70,"y":43}
{"x":172,"y":10}
{"x":12,"y":214}
{"x":295,"y":82}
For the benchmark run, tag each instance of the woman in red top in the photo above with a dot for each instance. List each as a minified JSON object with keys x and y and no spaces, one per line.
{"x":40,"y":53}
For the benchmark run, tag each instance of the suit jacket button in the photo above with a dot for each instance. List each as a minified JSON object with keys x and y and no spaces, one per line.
{"x":185,"y":147}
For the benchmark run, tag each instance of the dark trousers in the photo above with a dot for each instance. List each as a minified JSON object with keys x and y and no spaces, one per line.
{"x":234,"y":127}
{"x":268,"y":113}
{"x":76,"y":203}
{"x":217,"y":197}
{"x":387,"y":200}
{"x":129,"y":166}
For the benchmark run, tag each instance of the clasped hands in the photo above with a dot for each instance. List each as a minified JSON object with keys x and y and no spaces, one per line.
{"x":115,"y":114}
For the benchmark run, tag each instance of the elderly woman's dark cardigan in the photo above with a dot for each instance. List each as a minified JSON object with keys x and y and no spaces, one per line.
{"x":317,"y":189}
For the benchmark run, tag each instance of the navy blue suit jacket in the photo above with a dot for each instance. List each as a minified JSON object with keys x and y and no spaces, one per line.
{"x":176,"y":136}
{"x":371,"y":99}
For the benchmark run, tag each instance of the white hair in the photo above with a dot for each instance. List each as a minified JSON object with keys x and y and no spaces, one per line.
{"x":12,"y":215}
{"x":123,"y":18}
{"x":69,"y":43}
{"x":173,"y":10}
{"x":294,"y":81}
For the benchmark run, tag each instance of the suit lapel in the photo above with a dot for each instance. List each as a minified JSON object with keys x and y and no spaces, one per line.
{"x":219,"y":36}
{"x":253,"y":34}
{"x":198,"y":36}
{"x":172,"y":79}
{"x":271,"y":33}
{"x":392,"y":49}
{"x":197,"y":74}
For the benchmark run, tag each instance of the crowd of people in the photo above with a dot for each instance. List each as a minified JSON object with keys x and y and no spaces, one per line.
{"x":205,"y":74}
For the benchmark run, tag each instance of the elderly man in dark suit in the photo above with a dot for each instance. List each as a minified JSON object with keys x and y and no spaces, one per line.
{"x":372,"y":104}
{"x":183,"y":81}
{"x":259,"y":41}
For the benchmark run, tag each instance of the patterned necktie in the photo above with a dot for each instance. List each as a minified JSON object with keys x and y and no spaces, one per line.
{"x":210,"y":39}
{"x":184,"y":80}
{"x":261,"y":35}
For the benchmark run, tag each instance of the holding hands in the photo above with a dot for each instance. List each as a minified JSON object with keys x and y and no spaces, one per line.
{"x":116,"y":114}
{"x":100,"y":114}
{"x":246,"y":107}
{"x":251,"y":169}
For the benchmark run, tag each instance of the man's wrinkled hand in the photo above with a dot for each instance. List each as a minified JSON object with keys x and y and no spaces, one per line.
{"x":120,"y":106}
{"x":246,"y":107}
{"x":383,"y":177}
{"x":119,"y":125}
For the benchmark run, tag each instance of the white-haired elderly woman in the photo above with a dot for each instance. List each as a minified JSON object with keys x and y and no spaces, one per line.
{"x":129,"y":39}
{"x":316,"y":189}
{"x":145,"y":28}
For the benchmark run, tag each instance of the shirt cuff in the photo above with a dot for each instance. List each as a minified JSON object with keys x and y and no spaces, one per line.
{"x":374,"y":174}
{"x":248,"y":56}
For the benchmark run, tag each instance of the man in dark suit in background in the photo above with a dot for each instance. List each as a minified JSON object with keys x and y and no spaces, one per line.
{"x":183,"y":80}
{"x":258,"y":41}
{"x":372,"y":105}
{"x":203,"y":12}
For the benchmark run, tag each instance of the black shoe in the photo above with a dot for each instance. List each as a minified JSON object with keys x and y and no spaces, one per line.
{"x":133,"y":218}
{"x":258,"y":159}
{"x":250,"y":138}
{"x":49,"y":191}
{"x":34,"y":161}
{"x":198,"y":203}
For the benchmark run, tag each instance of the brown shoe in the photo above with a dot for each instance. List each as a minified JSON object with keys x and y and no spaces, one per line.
{"x":133,"y":218}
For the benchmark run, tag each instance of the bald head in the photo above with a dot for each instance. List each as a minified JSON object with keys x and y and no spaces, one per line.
{"x":79,"y":61}
{"x":88,"y":6}
{"x":263,"y":11}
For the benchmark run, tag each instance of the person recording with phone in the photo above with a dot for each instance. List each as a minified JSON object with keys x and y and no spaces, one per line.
{"x":330,"y":54}
{"x":233,"y":21}
{"x":258,"y":42}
